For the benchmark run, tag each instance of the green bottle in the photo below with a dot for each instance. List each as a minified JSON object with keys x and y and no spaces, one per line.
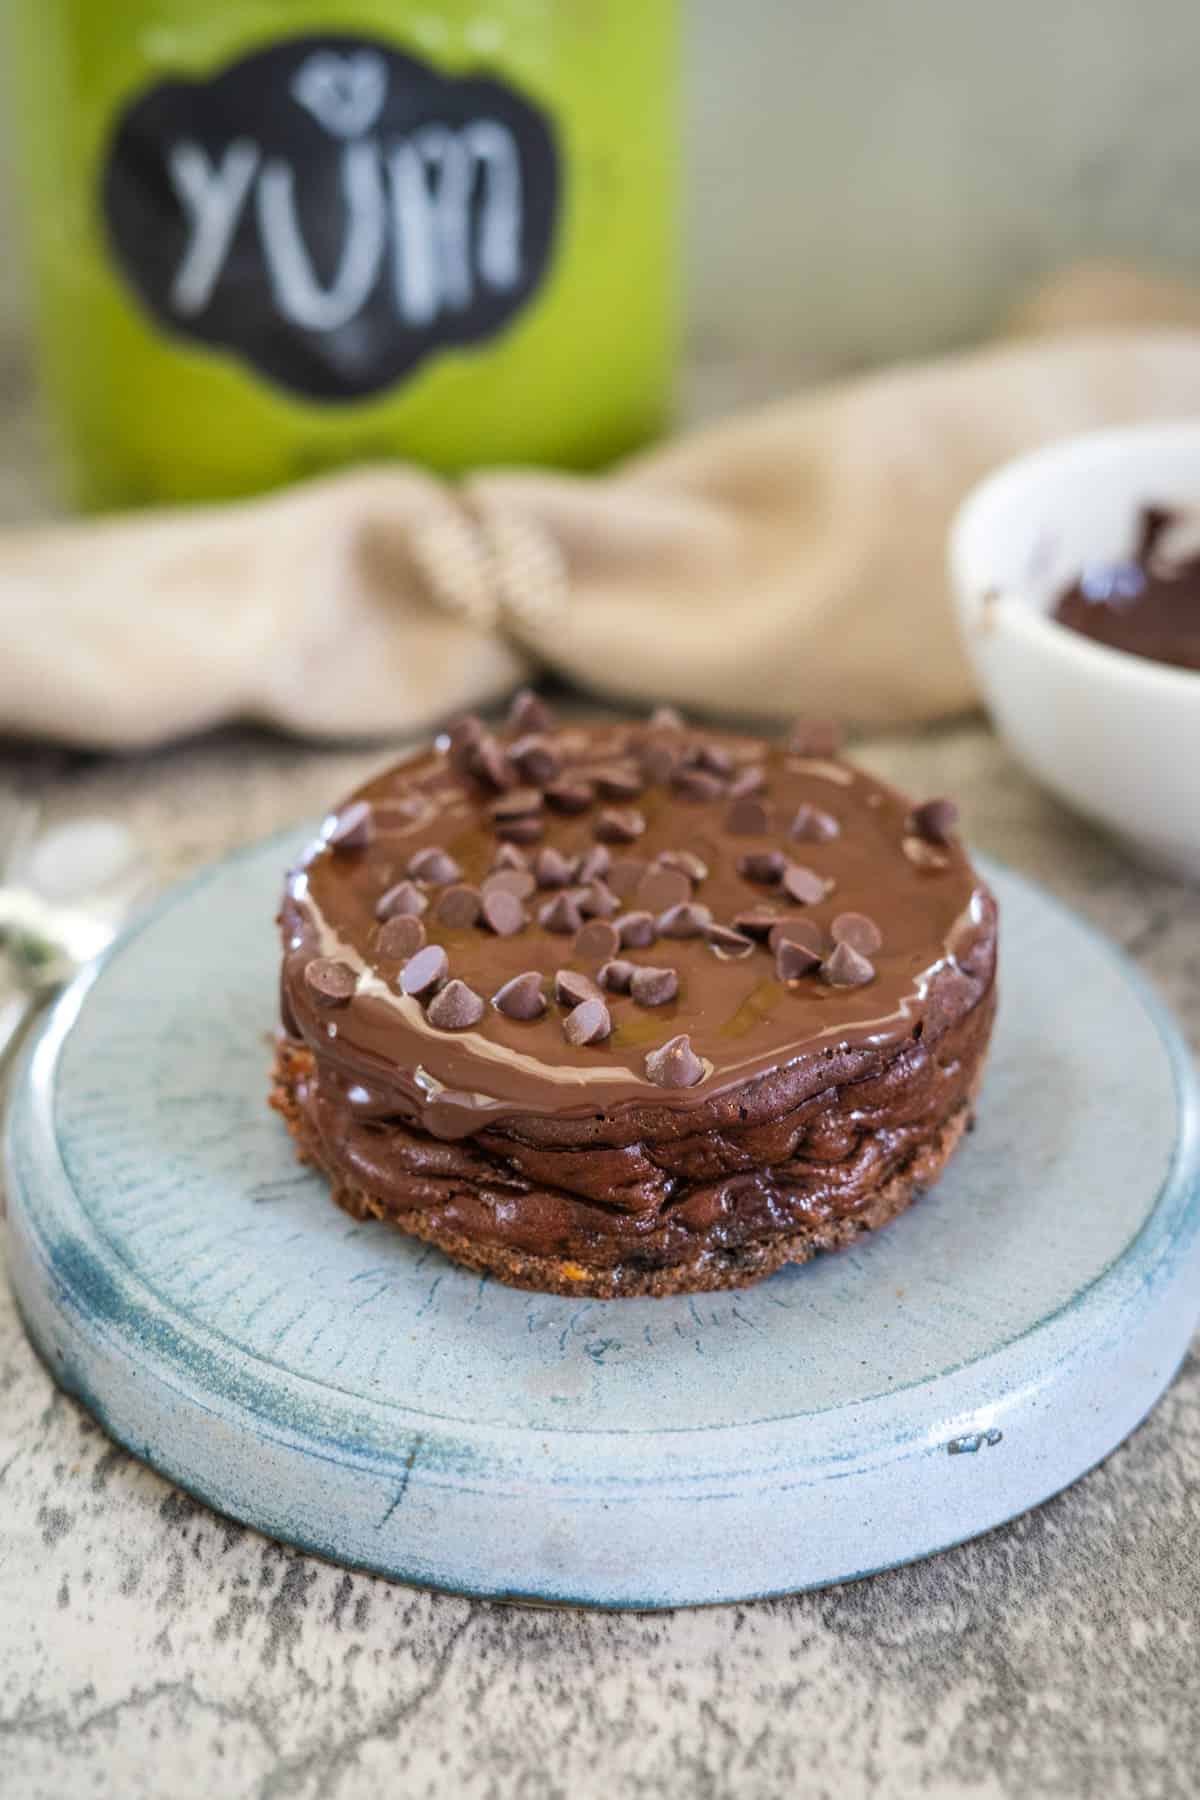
{"x":275,"y":236}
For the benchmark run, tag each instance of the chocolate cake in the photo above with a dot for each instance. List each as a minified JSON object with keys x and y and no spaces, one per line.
{"x":617,"y":1010}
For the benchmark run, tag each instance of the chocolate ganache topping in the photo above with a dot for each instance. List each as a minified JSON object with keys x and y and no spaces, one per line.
{"x":1149,"y":603}
{"x":580,"y":920}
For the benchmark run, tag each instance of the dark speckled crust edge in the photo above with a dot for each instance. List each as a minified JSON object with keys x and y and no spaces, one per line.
{"x":708,"y":1270}
{"x":569,"y":1243}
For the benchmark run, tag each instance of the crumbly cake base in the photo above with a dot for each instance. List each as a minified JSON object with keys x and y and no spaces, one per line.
{"x":712,"y":1267}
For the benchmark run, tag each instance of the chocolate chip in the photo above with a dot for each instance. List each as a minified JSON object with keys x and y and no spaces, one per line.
{"x":660,"y":888}
{"x":755,"y":922}
{"x":467,"y":728}
{"x":727,"y":943}
{"x":456,"y":1008}
{"x":458,"y":907}
{"x":762,"y":865}
{"x":509,"y":857}
{"x":793,"y":960}
{"x":461,"y":737}
{"x":598,"y":941}
{"x":815,"y":737}
{"x":525,"y":830}
{"x":802,"y":885}
{"x":596,"y":900}
{"x":588,"y":1024}
{"x":748,"y":781}
{"x":625,"y":874}
{"x":400,"y":938}
{"x":552,"y":869}
{"x":857,"y":930}
{"x":925,"y":856}
{"x":846,"y":968}
{"x":330,"y":982}
{"x":748,"y":818}
{"x":715,"y":758}
{"x":657,"y":763}
{"x":561,"y":914}
{"x":685,"y":921}
{"x":487,"y":761}
{"x":697,"y":784}
{"x":812,"y":825}
{"x":510,"y":881}
{"x":667,"y":718}
{"x":594,"y":862}
{"x":434,"y":865}
{"x":654,"y":987}
{"x":569,"y":796}
{"x":517,"y":803}
{"x":424,"y":971}
{"x":685,"y":861}
{"x":636,"y":930}
{"x":618,"y":781}
{"x":502,"y":911}
{"x":934,"y":821}
{"x":405,"y":897}
{"x":674,"y":1064}
{"x":572,"y":989}
{"x":798,"y":931}
{"x":619,"y":825}
{"x":522,"y":997}
{"x":617,"y":975}
{"x":535,"y":759}
{"x":353,"y":828}
{"x":529,"y":713}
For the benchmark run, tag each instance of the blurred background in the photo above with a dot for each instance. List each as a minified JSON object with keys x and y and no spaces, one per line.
{"x":874,"y":180}
{"x":862,"y":182}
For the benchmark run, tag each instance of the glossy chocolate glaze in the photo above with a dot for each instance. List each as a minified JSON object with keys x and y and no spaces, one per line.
{"x":1148,"y":605}
{"x":381,"y":1059}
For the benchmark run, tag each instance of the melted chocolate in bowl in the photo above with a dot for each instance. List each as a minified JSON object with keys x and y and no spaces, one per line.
{"x":385,"y":1057}
{"x":1149,"y":604}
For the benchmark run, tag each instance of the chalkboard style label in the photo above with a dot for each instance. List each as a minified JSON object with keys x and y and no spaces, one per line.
{"x":333,"y":211}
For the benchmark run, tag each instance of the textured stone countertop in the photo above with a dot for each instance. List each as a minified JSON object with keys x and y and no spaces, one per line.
{"x":148,"y":1647}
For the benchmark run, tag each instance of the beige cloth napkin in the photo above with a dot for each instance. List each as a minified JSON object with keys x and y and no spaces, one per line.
{"x":786,"y":561}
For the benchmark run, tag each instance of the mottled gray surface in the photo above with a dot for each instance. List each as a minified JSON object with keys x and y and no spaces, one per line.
{"x":148,"y":1648}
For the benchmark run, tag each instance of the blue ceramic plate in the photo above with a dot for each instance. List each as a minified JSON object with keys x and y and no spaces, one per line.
{"x":343,"y":1388}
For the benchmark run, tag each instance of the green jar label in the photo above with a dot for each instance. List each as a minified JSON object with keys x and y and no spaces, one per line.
{"x":333,"y":211}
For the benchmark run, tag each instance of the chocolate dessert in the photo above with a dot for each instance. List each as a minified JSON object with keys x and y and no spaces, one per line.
{"x":616,"y":1010}
{"x":1147,"y":604}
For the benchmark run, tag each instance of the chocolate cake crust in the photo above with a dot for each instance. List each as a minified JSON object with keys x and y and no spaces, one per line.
{"x":613,"y":1011}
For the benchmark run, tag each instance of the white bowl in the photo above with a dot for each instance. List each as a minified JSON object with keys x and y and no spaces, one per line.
{"x":1114,"y":735}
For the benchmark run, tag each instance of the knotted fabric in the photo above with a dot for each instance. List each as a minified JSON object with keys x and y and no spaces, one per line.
{"x":785,"y":561}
